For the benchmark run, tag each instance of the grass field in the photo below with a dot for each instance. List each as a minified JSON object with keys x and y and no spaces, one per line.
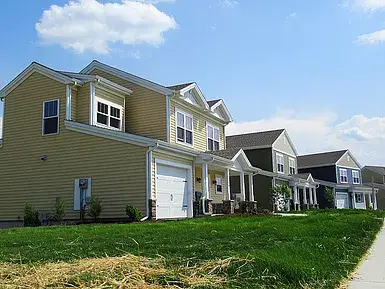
{"x":318,"y":251}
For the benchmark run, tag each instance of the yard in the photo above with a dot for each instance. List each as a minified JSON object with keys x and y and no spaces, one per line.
{"x":318,"y":251}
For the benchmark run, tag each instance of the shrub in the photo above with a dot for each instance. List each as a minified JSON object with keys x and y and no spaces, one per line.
{"x":280,"y":196}
{"x":95,"y":208}
{"x":329,"y":196}
{"x":59,"y":210}
{"x":133,"y":213}
{"x":31,"y":216}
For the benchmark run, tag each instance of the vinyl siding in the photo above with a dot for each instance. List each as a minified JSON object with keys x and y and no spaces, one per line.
{"x":217,"y":198}
{"x":349,"y":173}
{"x":286,"y":162}
{"x":368,"y":174}
{"x":327,"y":173}
{"x":283,"y":144}
{"x":83,"y":104}
{"x":74,"y":94}
{"x":261,"y":158}
{"x":200,"y":132}
{"x":145,"y":109}
{"x":118,"y":170}
{"x":111,"y":97}
{"x":348,"y":162}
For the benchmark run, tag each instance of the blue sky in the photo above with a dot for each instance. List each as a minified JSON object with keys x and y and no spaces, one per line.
{"x":293,"y":63}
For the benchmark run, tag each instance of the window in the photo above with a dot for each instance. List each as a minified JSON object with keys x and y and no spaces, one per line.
{"x":184,"y":127}
{"x":292,"y":166}
{"x":51,"y":117}
{"x":359,"y":197}
{"x":109,"y":115}
{"x":280,"y":163}
{"x":343,"y":176}
{"x":356,"y":177}
{"x":212,"y":138}
{"x":218,"y":185}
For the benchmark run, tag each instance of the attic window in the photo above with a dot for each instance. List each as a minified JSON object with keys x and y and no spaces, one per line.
{"x":108,"y":115}
{"x":51,"y":117}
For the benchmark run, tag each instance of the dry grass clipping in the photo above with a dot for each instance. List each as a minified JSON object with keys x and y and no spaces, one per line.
{"x":119,"y":272}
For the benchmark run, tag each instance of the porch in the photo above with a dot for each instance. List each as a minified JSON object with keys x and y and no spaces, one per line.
{"x":304,"y":192}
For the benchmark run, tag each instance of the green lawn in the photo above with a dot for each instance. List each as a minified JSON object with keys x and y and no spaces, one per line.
{"x":317,"y":251}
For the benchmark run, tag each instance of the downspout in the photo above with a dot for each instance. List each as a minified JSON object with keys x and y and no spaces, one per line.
{"x":149,"y":179}
{"x":2,"y":122}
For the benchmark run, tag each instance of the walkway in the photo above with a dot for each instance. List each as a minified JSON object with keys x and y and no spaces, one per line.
{"x":371,"y":273}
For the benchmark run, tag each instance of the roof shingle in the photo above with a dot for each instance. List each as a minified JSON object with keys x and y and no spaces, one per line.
{"x":179,"y":86}
{"x":377,"y":169}
{"x":263,"y":138}
{"x":227,"y":154}
{"x":212,"y":102}
{"x":319,"y":159}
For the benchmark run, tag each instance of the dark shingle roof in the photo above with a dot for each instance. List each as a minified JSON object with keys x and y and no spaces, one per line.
{"x":212,"y":102}
{"x":303,"y":176}
{"x":179,"y":86}
{"x":319,"y":159}
{"x":227,"y":154}
{"x":377,"y":169}
{"x":263,"y":138}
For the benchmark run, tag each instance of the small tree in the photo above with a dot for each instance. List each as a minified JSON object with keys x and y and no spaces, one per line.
{"x":329,"y":196}
{"x":59,"y":210}
{"x":280,"y":195}
{"x":95,"y":208}
{"x":133,"y":213}
{"x":31,"y":216}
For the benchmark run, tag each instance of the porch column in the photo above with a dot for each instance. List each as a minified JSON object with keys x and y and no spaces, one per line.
{"x":311,"y":196}
{"x":295,"y":196}
{"x":354,"y":200}
{"x":375,"y":201}
{"x":205,"y":180}
{"x":242,"y":185}
{"x":251,"y":188}
{"x":304,"y":196}
{"x":335,"y":199}
{"x":315,"y":195}
{"x":227,"y":177}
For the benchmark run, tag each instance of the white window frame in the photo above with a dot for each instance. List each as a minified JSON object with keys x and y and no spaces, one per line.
{"x":357,"y":173}
{"x":176,"y":128}
{"x":109,"y":104}
{"x":291,"y":166}
{"x":218,"y":177}
{"x":213,"y":138}
{"x":361,"y":196}
{"x":278,"y":157}
{"x":345,"y":175}
{"x":58,"y":117}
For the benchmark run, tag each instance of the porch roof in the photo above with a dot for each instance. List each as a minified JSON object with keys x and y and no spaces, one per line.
{"x":227,"y":154}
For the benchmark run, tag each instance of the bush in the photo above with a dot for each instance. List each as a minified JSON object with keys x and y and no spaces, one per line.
{"x":133,"y":213}
{"x":329,"y":196}
{"x":95,"y":208}
{"x":280,"y":196}
{"x":59,"y":210}
{"x":31,"y":216}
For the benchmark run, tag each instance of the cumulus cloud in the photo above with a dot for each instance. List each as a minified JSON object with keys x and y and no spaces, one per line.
{"x":377,"y":37}
{"x":318,"y":132}
{"x":88,"y":25}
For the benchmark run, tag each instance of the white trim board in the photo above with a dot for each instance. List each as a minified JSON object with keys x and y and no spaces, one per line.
{"x":353,"y":158}
{"x":290,"y":142}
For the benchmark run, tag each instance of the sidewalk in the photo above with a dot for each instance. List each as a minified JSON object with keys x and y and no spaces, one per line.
{"x":371,"y":273}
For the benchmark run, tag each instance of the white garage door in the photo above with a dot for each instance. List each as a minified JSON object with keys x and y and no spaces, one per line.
{"x":171,"y":192}
{"x":342,"y":201}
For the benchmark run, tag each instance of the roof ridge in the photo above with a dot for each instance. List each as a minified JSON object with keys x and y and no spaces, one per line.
{"x":320,"y":153}
{"x":257,"y":132}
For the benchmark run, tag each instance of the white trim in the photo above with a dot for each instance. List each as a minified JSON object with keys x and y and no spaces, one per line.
{"x":58,"y":118}
{"x":208,"y":124}
{"x":283,"y":162}
{"x":127,"y":76}
{"x":340,"y":179}
{"x":291,"y":159}
{"x":225,"y":109}
{"x":109,"y":134}
{"x":199,"y":92}
{"x":36,"y":67}
{"x":68,"y":102}
{"x":184,"y":121}
{"x":290,"y":142}
{"x":189,"y":178}
{"x":216,"y":188}
{"x":351,"y":156}
{"x":92,"y":103}
{"x":168,"y":117}
{"x":285,"y":153}
{"x":112,"y":87}
{"x":358,"y":174}
{"x":109,"y":104}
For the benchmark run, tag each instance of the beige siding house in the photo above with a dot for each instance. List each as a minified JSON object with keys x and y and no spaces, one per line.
{"x":107,"y":133}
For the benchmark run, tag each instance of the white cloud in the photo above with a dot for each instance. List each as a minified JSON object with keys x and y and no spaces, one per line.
{"x":291,"y":16}
{"x":317,"y":132}
{"x":83,"y":25}
{"x":377,"y":37}
{"x":365,"y":5}
{"x":228,"y":3}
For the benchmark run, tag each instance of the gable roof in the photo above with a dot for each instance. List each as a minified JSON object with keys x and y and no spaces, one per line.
{"x":377,"y":169}
{"x":227,"y":154}
{"x":213,"y":102}
{"x":320,"y":159}
{"x":179,"y":86}
{"x":257,"y":139}
{"x":127,"y":76}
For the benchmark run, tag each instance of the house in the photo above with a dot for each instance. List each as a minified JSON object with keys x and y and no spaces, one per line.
{"x":105,"y":132}
{"x":374,"y":176}
{"x":341,"y":172}
{"x":275,"y":154}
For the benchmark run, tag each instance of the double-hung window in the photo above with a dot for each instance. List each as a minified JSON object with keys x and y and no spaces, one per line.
{"x":218,"y":185}
{"x":212,"y":138}
{"x":343,"y":175}
{"x":356,"y":177}
{"x":292,"y":166}
{"x":280,"y":164}
{"x":51,"y":117}
{"x":108,"y":115}
{"x":184,"y":128}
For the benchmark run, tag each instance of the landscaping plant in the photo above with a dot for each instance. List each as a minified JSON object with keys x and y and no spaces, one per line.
{"x":31,"y":216}
{"x":133,"y":213}
{"x":329,"y":196}
{"x":95,"y":208}
{"x":59,"y":210}
{"x":280,"y":196}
